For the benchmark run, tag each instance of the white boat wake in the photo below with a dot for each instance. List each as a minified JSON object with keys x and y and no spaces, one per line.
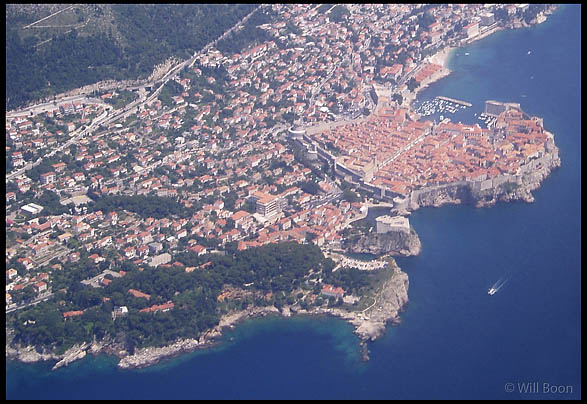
{"x":497,"y":286}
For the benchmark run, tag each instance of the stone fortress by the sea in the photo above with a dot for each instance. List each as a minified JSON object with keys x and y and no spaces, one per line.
{"x":531,"y":158}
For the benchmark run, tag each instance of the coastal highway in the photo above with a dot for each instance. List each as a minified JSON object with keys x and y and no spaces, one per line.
{"x":192,"y":60}
{"x":39,"y":108}
{"x":103,"y":119}
{"x":49,"y":16}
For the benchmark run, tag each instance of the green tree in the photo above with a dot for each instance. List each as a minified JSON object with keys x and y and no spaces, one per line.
{"x":412,"y":84}
{"x":397,"y":98}
{"x":349,"y":195}
{"x":339,"y":13}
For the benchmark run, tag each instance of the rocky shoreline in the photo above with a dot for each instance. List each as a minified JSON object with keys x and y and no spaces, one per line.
{"x":369,"y":324}
{"x":507,"y":189}
{"x":394,"y":243}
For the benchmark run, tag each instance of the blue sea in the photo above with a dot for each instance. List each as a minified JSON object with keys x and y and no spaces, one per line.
{"x":455,"y":341}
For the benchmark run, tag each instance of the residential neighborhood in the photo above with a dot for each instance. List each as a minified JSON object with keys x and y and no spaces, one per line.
{"x":217,"y":143}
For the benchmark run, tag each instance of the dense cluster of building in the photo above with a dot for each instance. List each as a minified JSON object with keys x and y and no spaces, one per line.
{"x":213,"y":147}
{"x":392,"y":154}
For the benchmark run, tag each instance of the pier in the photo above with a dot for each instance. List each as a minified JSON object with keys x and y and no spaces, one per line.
{"x":466,"y":104}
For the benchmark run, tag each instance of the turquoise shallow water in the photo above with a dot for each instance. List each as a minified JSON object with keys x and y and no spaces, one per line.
{"x":455,"y":341}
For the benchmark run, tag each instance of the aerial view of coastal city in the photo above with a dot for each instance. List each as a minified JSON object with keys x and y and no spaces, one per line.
{"x":200,"y":195}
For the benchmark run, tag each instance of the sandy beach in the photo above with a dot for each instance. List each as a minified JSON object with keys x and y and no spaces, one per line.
{"x":441,"y":57}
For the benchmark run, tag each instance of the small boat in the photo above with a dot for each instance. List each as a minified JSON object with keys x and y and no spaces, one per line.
{"x":492,"y":291}
{"x":466,"y":53}
{"x":529,"y":52}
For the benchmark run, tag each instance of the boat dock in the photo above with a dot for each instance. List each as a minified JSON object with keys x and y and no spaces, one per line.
{"x":441,"y":105}
{"x":488,"y":119}
{"x":466,"y":104}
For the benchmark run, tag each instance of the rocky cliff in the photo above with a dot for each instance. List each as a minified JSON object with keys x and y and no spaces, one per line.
{"x":150,"y":355}
{"x":503,"y":188}
{"x":441,"y":195}
{"x":394,"y":243}
{"x":369,"y":324}
{"x":388,"y":302}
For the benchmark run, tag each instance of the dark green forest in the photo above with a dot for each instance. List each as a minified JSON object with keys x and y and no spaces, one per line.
{"x":236,"y":42}
{"x":144,"y":205}
{"x":272,"y":268}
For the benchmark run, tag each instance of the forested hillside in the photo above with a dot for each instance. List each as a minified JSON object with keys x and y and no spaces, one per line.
{"x":88,"y":43}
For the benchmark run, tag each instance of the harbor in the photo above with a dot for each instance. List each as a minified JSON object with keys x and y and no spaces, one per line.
{"x":445,"y":106}
{"x":487,"y":119}
{"x":441,"y":105}
{"x":453,"y":101}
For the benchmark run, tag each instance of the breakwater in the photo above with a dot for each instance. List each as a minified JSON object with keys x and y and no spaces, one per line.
{"x":464,"y":103}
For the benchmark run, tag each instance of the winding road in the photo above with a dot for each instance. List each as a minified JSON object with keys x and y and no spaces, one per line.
{"x":106,"y":118}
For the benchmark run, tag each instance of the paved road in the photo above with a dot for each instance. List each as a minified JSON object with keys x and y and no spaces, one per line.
{"x":77,"y":135}
{"x":173,"y":70}
{"x":51,"y":105}
{"x":403,"y":149}
{"x":49,"y":16}
{"x":192,"y":60}
{"x":35,"y":301}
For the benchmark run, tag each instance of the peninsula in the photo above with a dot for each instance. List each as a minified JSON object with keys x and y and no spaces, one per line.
{"x":143,"y":218}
